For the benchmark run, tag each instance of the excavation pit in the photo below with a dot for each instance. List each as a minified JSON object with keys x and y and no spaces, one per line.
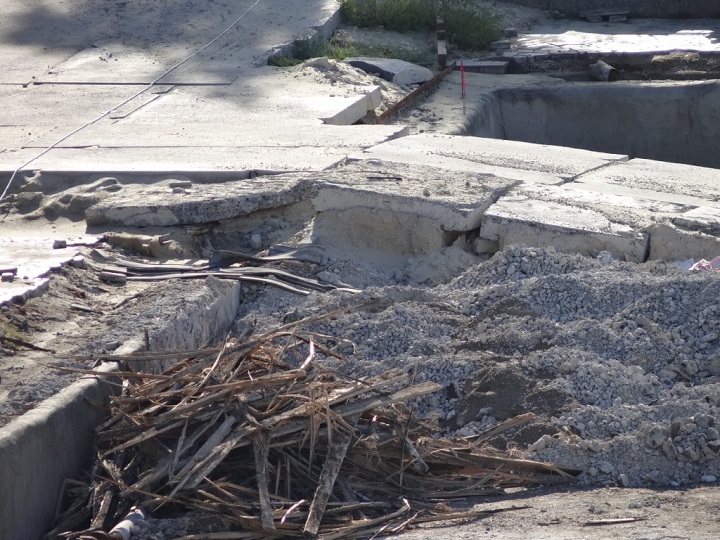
{"x":665,"y":121}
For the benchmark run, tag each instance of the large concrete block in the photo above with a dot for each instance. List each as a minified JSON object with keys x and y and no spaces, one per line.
{"x":393,"y":70}
{"x":671,"y":243}
{"x":520,"y":218}
{"x":454,"y":200}
{"x":158,"y":205}
{"x":692,"y":234}
{"x":389,"y":211}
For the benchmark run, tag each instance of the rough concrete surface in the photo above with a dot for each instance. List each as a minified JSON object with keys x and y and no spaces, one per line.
{"x":413,"y":218}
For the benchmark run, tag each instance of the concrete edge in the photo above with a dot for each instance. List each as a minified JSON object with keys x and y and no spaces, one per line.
{"x":322,"y":31}
{"x":43,"y":447}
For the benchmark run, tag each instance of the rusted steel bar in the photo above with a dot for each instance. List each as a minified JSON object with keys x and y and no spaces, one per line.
{"x":412,"y":96}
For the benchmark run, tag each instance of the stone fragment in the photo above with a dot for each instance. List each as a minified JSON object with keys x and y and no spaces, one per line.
{"x":329,"y":277}
{"x":481,"y":245}
{"x":623,"y":480}
{"x":540,"y":444}
{"x":510,"y":32}
{"x":708,"y":478}
{"x":185,"y":184}
{"x":705,"y":421}
{"x":501,"y":45}
{"x":256,"y":241}
{"x":8,"y":277}
{"x":78,"y":261}
{"x":59,"y":244}
{"x":669,"y":450}
{"x":393,"y":70}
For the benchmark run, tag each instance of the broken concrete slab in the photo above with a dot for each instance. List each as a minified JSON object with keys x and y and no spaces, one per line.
{"x":655,"y":180}
{"x":693,"y":234}
{"x":159,"y":205}
{"x":412,"y":157}
{"x":391,"y":211}
{"x":393,"y":70}
{"x":565,"y":163}
{"x":671,"y":243}
{"x":455,"y":200}
{"x":705,"y":219}
{"x":635,"y":212}
{"x":520,"y":218}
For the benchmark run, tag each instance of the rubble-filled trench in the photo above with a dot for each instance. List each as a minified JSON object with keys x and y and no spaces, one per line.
{"x":617,"y":361}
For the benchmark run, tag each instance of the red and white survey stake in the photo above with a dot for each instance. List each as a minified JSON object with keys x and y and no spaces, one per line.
{"x":462,"y":78}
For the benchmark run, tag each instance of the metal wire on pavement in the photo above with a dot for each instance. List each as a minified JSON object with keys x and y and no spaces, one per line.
{"x":126,"y":101}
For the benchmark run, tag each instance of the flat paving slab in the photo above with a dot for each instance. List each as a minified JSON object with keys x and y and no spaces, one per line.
{"x":277,"y":120}
{"x":222,"y":109}
{"x":501,"y":155}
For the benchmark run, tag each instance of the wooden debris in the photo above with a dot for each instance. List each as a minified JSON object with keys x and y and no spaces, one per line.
{"x":616,"y":521}
{"x":259,"y":433}
{"x":336,"y":454}
{"x":23,"y":343}
{"x":261,"y":446}
{"x":87,"y":309}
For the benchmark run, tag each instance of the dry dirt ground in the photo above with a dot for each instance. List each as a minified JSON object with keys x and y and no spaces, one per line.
{"x":51,"y":322}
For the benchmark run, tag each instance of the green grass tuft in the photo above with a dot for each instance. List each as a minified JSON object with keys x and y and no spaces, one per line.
{"x":399,"y":15}
{"x":468,"y":27}
{"x":305,"y":49}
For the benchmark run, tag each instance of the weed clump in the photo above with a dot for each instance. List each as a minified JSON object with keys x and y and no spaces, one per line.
{"x":468,"y":26}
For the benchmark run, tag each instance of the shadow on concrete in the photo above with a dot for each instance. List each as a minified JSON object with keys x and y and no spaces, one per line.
{"x":83,"y":23}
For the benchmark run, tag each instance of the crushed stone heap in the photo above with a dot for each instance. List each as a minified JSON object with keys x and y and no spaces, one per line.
{"x":618,"y":361}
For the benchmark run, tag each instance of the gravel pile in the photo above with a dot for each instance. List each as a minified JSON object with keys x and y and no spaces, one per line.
{"x":619,"y":361}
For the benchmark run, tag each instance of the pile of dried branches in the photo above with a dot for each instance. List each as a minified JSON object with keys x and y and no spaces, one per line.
{"x":260,"y":433}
